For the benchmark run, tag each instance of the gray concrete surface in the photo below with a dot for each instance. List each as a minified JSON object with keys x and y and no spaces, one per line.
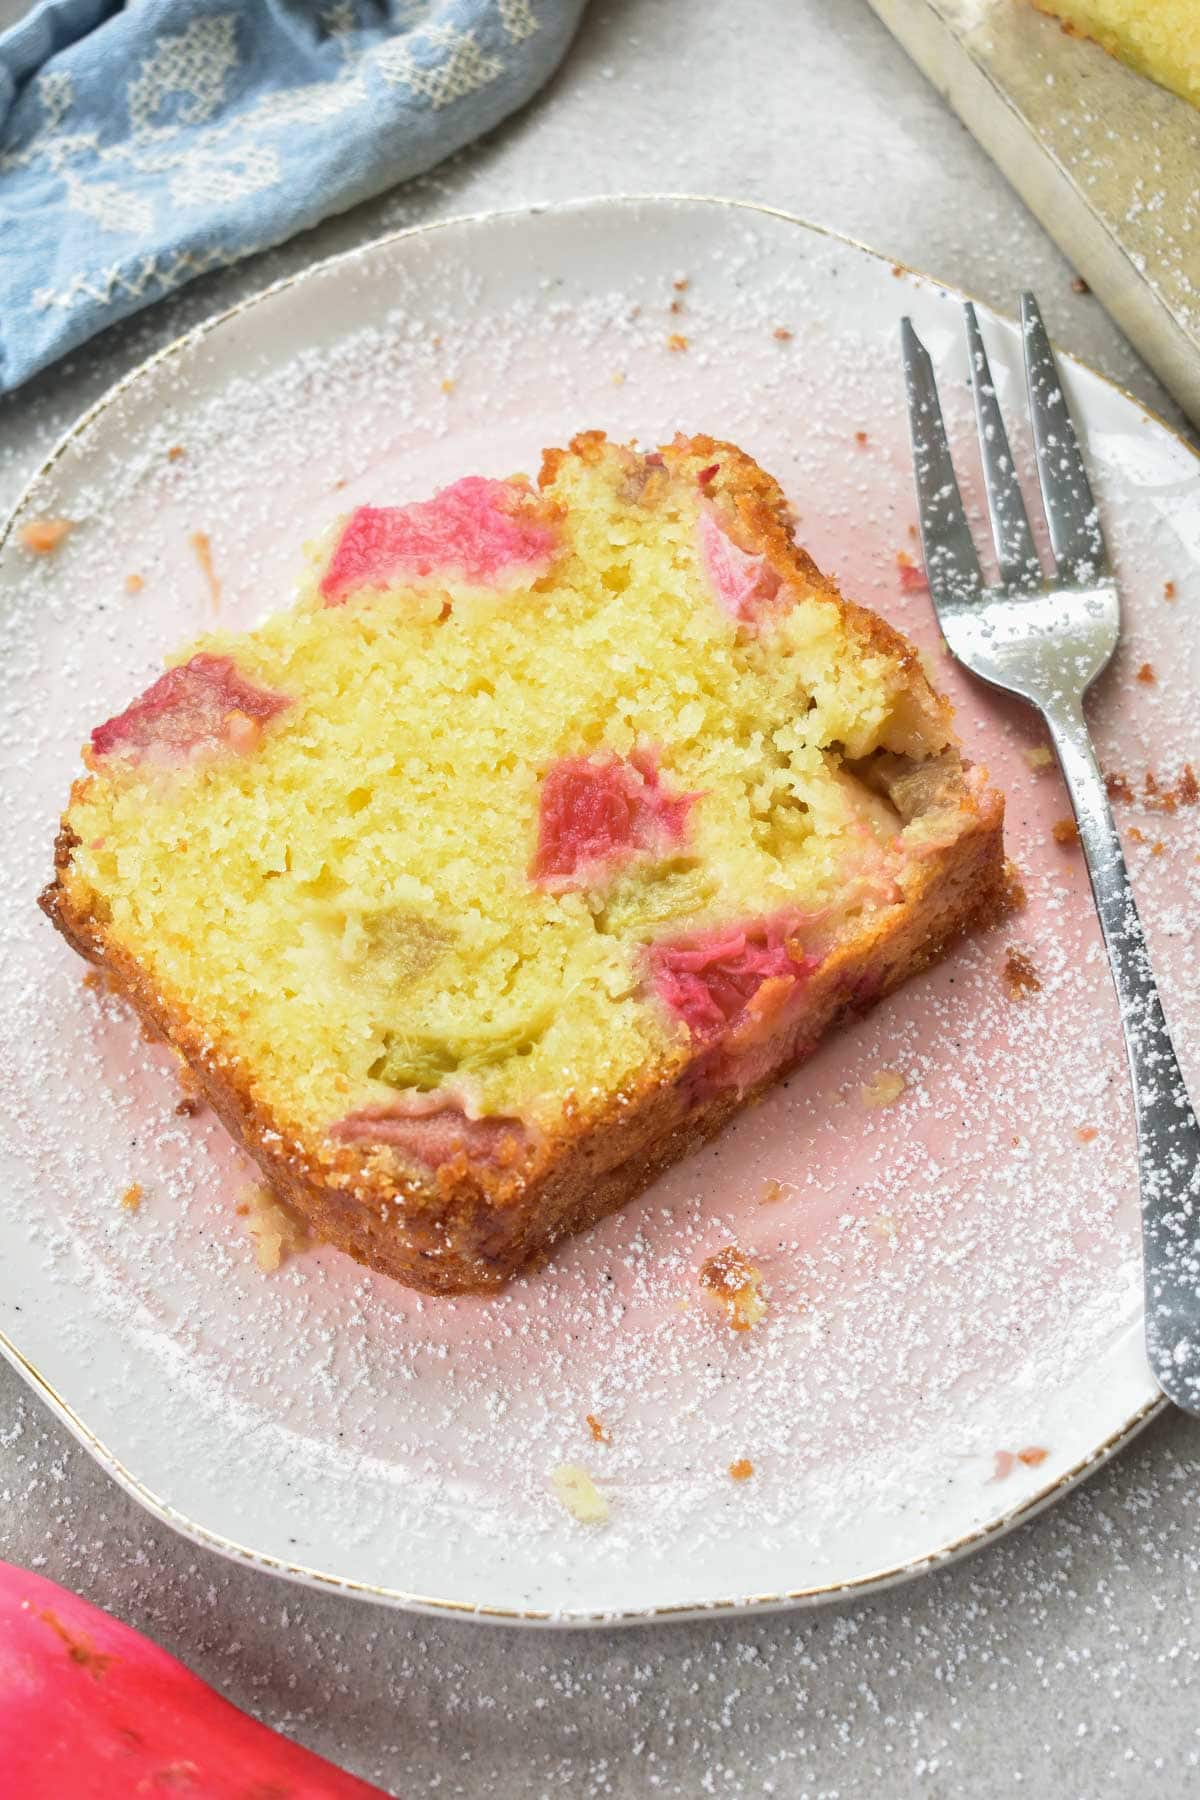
{"x":1062,"y":1661}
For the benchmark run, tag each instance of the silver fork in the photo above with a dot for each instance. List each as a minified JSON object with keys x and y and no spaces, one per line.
{"x":1046,"y":641}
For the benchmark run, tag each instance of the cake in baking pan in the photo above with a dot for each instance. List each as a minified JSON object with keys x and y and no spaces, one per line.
{"x":1159,"y":38}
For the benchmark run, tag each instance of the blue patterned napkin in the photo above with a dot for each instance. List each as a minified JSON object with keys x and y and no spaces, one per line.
{"x":143,"y":145}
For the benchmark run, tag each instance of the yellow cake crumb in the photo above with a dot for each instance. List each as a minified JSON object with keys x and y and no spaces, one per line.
{"x":131,"y":1199}
{"x":600,"y":1434}
{"x":882,"y":1088}
{"x":742,"y":1469}
{"x":275,"y":1231}
{"x":773,"y":1191}
{"x":579,"y":1494}
{"x":732,"y":1281}
{"x":1038,"y":756}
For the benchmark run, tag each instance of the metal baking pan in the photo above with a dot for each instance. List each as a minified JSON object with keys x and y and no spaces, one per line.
{"x":1108,"y":161}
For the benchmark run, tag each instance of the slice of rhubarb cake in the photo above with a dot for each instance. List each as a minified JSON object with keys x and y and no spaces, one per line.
{"x":548,"y":826}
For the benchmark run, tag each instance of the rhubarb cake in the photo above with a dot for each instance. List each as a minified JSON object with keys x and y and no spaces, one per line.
{"x":549,"y":825}
{"x":1159,"y":38}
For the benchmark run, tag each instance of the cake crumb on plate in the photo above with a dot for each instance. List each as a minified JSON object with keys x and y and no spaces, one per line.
{"x":131,"y":1199}
{"x":275,"y":1232}
{"x":732,"y":1280}
{"x":882,"y":1088}
{"x":579,"y":1494}
{"x":1020,"y":977}
{"x":41,"y":537}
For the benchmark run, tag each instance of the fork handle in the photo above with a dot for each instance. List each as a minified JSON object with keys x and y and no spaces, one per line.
{"x":1168,"y":1137}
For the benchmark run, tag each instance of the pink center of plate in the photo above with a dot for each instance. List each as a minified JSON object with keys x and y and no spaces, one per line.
{"x":744,"y":584}
{"x":479,"y":532}
{"x":204,"y":704}
{"x":596,"y":812}
{"x":709,"y":980}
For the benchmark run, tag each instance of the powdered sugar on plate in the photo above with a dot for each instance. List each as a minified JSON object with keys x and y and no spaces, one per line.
{"x":947,"y":1277}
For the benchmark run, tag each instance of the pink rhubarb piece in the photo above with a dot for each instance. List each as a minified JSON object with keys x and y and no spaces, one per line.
{"x":711,"y":980}
{"x":479,"y":532}
{"x":744,"y":584}
{"x":204,"y":704}
{"x":597,"y":811}
{"x":434,"y":1136}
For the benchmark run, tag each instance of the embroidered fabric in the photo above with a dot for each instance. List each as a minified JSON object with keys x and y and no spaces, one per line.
{"x":141,"y":146}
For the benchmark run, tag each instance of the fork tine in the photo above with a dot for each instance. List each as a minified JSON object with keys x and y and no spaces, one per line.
{"x":1016,"y":553}
{"x":1071,"y":513}
{"x":951,"y":564}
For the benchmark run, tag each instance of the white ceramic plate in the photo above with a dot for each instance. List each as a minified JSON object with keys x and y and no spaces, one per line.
{"x":952,"y":1280}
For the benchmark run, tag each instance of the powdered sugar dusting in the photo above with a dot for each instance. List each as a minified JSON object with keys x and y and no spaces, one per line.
{"x":947,"y":1275}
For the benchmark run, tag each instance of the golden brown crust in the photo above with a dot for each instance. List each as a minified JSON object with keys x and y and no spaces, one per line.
{"x":471,"y":1225}
{"x":470,"y":1228}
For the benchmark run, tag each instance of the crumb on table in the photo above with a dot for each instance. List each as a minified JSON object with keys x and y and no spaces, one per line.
{"x":883,"y":1087}
{"x":731,"y":1279}
{"x":275,"y":1231}
{"x":579,"y":1494}
{"x":131,"y":1199}
{"x":43,"y":536}
{"x":742,"y":1469}
{"x":1065,"y":831}
{"x":1019,"y":975}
